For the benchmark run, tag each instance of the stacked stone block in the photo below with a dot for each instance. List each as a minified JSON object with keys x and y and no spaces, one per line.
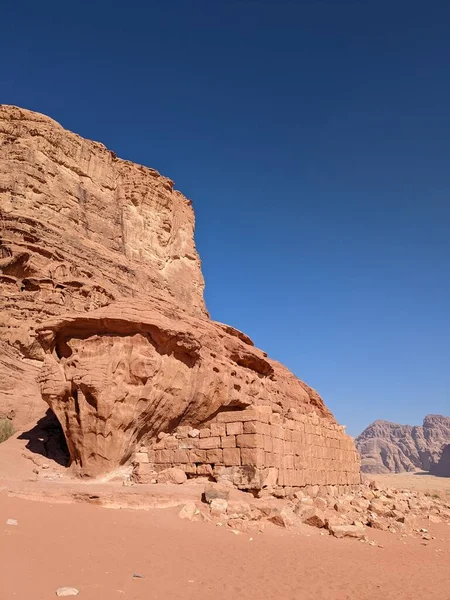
{"x":256,"y":448}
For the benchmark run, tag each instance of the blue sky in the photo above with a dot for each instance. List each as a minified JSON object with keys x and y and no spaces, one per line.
{"x":314,"y":140}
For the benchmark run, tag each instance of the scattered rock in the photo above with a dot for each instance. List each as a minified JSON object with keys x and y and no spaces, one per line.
{"x":218,"y":507}
{"x":188,"y":511}
{"x":67,"y":591}
{"x":320,"y":503}
{"x":313,"y":516}
{"x":241,"y":509}
{"x":434,"y":519}
{"x":12,"y":522}
{"x":283,"y":518}
{"x":352,"y":531}
{"x":216,"y":490}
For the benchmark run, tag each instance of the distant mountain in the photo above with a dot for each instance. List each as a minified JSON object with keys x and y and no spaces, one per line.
{"x":441,"y":467}
{"x":387,"y":447}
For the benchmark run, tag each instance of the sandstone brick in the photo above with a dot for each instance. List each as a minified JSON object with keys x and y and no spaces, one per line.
{"x":299,"y":463}
{"x":269,"y":459}
{"x":208,"y":443}
{"x":256,"y":427}
{"x":276,"y":431}
{"x":214,"y":456}
{"x":218,"y":429}
{"x":277,"y":460}
{"x":188,"y":444}
{"x":228,"y":441}
{"x":277,"y":445}
{"x":250,"y":440}
{"x":190,"y":469}
{"x":170,"y":443}
{"x":231,"y":457}
{"x":288,"y":448}
{"x":164,"y":456}
{"x":141,"y":457}
{"x":286,"y":477}
{"x":252,"y":457}
{"x":181,"y":456}
{"x":252,"y":414}
{"x":267,"y":443}
{"x":235,"y":428}
{"x":182,"y":431}
{"x":205,"y":433}
{"x":299,"y":478}
{"x":288,"y":462}
{"x":197,"y":456}
{"x":144,"y":473}
{"x":205,"y":470}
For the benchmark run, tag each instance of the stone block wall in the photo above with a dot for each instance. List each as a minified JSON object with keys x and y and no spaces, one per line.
{"x":256,"y":449}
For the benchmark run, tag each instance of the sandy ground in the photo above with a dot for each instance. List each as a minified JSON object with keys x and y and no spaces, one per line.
{"x":65,"y":541}
{"x":98,"y":550}
{"x":420,"y":481}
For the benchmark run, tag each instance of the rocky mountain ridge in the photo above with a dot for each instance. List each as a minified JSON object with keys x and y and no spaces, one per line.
{"x":387,"y":447}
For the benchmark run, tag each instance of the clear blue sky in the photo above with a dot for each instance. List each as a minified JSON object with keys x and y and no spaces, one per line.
{"x":314,"y":140}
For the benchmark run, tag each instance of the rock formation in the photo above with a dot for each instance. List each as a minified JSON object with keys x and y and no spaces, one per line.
{"x":391,"y":448}
{"x":102,"y":286}
{"x":79,"y":229}
{"x":440,"y":465}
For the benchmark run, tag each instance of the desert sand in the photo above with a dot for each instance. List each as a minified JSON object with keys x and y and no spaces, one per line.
{"x":98,"y":550}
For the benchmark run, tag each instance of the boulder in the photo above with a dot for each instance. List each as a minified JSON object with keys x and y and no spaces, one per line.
{"x":218,"y":507}
{"x":283,"y":517}
{"x":172,"y":475}
{"x":216,"y":490}
{"x":352,"y":531}
{"x":188,"y":511}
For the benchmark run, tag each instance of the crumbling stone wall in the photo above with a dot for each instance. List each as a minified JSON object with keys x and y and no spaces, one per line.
{"x":257,"y":448}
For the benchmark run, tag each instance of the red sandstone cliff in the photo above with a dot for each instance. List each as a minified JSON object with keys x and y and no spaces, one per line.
{"x":102,"y":304}
{"x":79,"y":229}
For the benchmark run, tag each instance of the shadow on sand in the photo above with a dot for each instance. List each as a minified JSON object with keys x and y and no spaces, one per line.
{"x":47,"y":439}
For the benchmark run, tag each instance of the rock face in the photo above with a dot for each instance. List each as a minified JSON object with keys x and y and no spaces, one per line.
{"x":79,"y":229}
{"x":391,"y":448}
{"x":102,"y":290}
{"x":440,"y":466}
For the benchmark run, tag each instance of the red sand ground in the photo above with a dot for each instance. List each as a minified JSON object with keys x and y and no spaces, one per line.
{"x":98,"y":549}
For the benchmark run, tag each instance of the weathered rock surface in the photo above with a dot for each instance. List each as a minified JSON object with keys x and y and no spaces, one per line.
{"x":125,"y":373}
{"x":388,"y":447}
{"x":79,"y":229}
{"x":102,"y":286}
{"x":440,"y":465}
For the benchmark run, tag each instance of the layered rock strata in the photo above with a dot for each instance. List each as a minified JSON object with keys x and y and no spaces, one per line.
{"x":79,"y":229}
